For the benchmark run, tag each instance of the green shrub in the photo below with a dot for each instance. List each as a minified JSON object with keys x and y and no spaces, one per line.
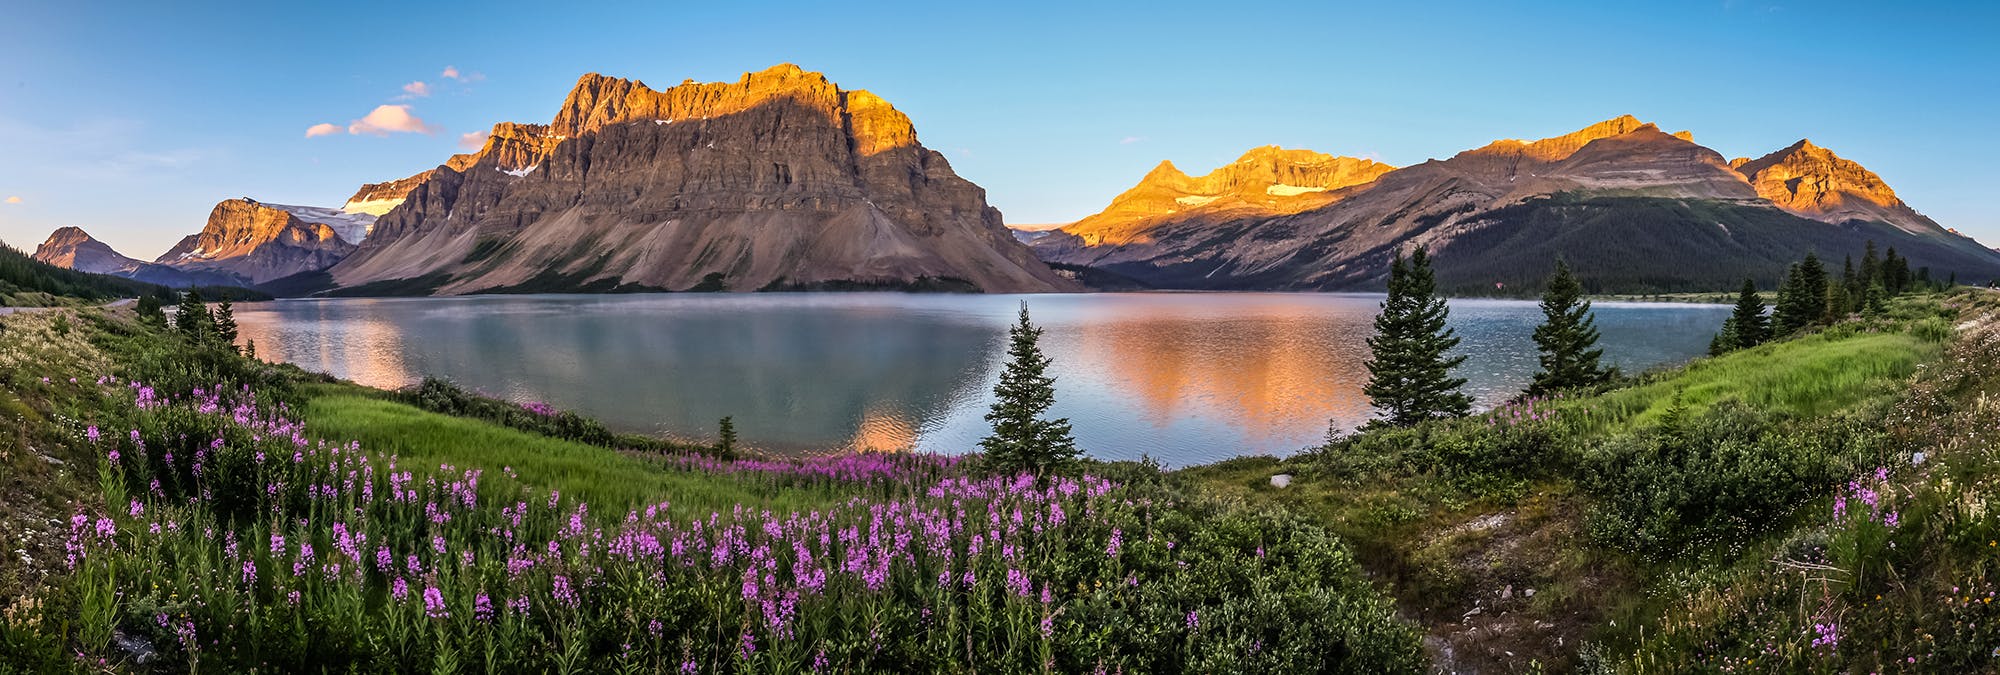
{"x":1711,"y":482}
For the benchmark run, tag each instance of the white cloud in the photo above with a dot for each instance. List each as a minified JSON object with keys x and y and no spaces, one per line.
{"x":13,"y":200}
{"x":473,"y":141}
{"x":322,"y":129}
{"x":388,"y":119}
{"x":416,"y":90}
{"x":1128,"y":140}
{"x":453,"y":73}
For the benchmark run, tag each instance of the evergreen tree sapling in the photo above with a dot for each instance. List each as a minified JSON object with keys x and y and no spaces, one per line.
{"x":224,"y":320}
{"x":192,"y":318}
{"x":1021,"y":440}
{"x":1567,"y":338}
{"x":725,"y":441}
{"x":1409,"y":370}
{"x":1747,"y":325}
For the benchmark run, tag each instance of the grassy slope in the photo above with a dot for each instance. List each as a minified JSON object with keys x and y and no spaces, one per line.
{"x":593,"y":474}
{"x":1443,"y":549}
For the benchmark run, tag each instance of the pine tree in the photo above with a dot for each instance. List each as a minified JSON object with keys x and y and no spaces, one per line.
{"x":725,"y":441}
{"x":224,"y":319}
{"x":1725,"y":340}
{"x":1021,"y":440}
{"x":1895,"y":272}
{"x":1748,"y":324}
{"x":149,"y":311}
{"x":1802,"y":299}
{"x":1566,"y":338}
{"x":1409,"y":372}
{"x":1871,"y":270}
{"x":192,"y":318}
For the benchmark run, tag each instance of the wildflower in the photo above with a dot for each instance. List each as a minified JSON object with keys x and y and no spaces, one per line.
{"x":1117,"y":541}
{"x":749,"y":645}
{"x":91,"y":433}
{"x":400,"y":589}
{"x":1193,"y":620}
{"x":482,"y":608}
{"x":434,"y":603}
{"x":563,"y":594}
{"x":137,"y":508}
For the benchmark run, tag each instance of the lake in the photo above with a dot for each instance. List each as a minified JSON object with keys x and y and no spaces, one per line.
{"x":1183,"y":377}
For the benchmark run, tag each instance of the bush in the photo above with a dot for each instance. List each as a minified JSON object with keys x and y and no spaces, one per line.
{"x":1713,"y":482}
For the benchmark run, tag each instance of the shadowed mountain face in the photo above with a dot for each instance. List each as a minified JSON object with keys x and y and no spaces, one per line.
{"x":1651,"y":210}
{"x":778,"y":180}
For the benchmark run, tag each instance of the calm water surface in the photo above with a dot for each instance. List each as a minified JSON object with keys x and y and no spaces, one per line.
{"x":1183,"y":377}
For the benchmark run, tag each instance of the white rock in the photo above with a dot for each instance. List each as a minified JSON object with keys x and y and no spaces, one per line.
{"x":1282,"y":480}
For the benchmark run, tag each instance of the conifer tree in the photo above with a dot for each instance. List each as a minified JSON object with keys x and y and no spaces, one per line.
{"x":150,"y":312}
{"x":1802,"y":300}
{"x":224,"y":318}
{"x":725,"y":441}
{"x":1021,"y":439}
{"x":1409,"y":372}
{"x":1566,"y":338}
{"x":192,"y":318}
{"x":1895,"y":272}
{"x":1725,"y":339}
{"x":1748,"y":326}
{"x":1871,"y":270}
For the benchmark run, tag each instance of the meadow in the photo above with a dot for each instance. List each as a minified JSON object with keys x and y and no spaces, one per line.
{"x":1766,"y":511}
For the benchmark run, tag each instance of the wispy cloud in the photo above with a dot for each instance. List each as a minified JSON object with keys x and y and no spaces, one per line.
{"x":390,"y":119}
{"x":1128,"y":140}
{"x":415,"y":89}
{"x":95,"y":149}
{"x":13,"y":200}
{"x":473,"y":141}
{"x":322,"y":129}
{"x":453,"y":73}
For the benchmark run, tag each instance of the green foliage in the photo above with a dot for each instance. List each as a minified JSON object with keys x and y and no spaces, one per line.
{"x":1802,"y":298}
{"x":1711,"y":482}
{"x":223,"y":318}
{"x":1751,"y":326}
{"x":1409,"y":372}
{"x":1021,"y":439}
{"x":20,"y":273}
{"x":725,"y":441}
{"x":1567,"y":338}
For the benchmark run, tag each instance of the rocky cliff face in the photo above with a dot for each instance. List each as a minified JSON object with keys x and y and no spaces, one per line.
{"x":258,"y":242}
{"x":375,"y":199}
{"x":1343,"y":238}
{"x":1811,"y":181}
{"x":780,"y":179}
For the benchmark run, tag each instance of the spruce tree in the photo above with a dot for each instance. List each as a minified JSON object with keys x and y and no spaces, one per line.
{"x":150,"y":312}
{"x":725,"y":441}
{"x":1802,"y":300}
{"x":1409,"y":371}
{"x":1871,"y":270}
{"x":192,"y":318}
{"x":224,"y":318}
{"x":1748,"y":325}
{"x":1725,"y":339}
{"x":1895,"y":272}
{"x":1021,"y":440}
{"x":1566,"y":338}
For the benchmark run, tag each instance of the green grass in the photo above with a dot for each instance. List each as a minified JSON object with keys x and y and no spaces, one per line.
{"x":593,"y":474}
{"x":1811,"y":376}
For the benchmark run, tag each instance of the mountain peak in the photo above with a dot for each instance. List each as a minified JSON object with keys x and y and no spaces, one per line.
{"x":1812,"y":181}
{"x":1558,"y":148}
{"x":68,"y":235}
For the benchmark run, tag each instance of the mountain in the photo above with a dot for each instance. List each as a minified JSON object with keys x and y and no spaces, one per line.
{"x":1632,"y":207}
{"x":1264,"y":182}
{"x":1811,"y":181}
{"x":72,"y":248}
{"x":376,"y":199}
{"x":781,"y":179}
{"x":262,"y":242}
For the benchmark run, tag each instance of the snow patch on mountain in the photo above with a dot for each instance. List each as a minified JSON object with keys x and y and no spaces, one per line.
{"x":352,"y":226}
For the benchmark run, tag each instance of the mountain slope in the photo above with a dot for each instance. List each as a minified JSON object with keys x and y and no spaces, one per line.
{"x":779,"y":180}
{"x":259,"y":242}
{"x":1345,"y":241}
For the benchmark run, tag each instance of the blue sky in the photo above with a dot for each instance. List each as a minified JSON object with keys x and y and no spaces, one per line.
{"x":133,"y":120}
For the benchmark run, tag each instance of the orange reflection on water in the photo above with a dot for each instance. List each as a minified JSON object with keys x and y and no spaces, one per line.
{"x":371,"y":353}
{"x":885,"y":431}
{"x":1272,"y":372}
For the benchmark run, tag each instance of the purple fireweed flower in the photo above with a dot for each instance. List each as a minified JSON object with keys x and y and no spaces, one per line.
{"x":688,"y":667}
{"x":1193,"y":620}
{"x":137,"y":508}
{"x":749,"y":645}
{"x":1117,"y":542}
{"x":91,"y":433}
{"x":434,"y":603}
{"x":400,"y":589}
{"x":562,"y":593}
{"x":482,"y":607}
